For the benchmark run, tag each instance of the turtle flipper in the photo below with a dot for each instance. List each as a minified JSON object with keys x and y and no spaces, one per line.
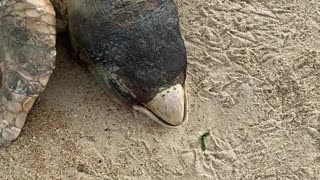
{"x":27,"y":58}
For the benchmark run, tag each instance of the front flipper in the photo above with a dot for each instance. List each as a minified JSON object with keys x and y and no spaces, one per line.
{"x":27,"y":58}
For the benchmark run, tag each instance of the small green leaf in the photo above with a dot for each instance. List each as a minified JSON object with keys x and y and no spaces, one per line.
{"x":203,"y":145}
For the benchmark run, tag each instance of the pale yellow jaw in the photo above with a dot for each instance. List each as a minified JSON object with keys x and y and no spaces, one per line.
{"x":167,"y":107}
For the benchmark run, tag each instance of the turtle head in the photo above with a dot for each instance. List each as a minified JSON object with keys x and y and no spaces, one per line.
{"x":137,"y":51}
{"x":149,"y":62}
{"x":154,"y":84}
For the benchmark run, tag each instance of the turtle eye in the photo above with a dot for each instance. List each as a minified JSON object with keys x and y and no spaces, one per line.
{"x":123,"y":91}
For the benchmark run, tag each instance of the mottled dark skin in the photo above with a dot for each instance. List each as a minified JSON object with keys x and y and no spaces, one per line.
{"x":137,"y":41}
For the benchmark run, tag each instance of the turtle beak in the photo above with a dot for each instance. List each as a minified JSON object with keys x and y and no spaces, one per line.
{"x":169,"y":107}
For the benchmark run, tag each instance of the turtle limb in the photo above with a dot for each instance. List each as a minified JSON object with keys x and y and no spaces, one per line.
{"x":27,"y":58}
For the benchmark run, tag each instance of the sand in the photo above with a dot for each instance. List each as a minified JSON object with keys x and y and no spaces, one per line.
{"x":253,"y":84}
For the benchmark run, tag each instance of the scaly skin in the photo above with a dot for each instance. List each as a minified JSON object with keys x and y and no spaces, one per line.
{"x":27,"y":58}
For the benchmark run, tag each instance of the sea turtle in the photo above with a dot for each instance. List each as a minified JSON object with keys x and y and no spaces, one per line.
{"x":133,"y":48}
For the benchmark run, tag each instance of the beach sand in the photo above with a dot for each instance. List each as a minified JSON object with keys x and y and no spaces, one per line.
{"x":254,"y":89}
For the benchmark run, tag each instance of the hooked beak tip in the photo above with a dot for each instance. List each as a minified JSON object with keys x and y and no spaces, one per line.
{"x":169,"y":106}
